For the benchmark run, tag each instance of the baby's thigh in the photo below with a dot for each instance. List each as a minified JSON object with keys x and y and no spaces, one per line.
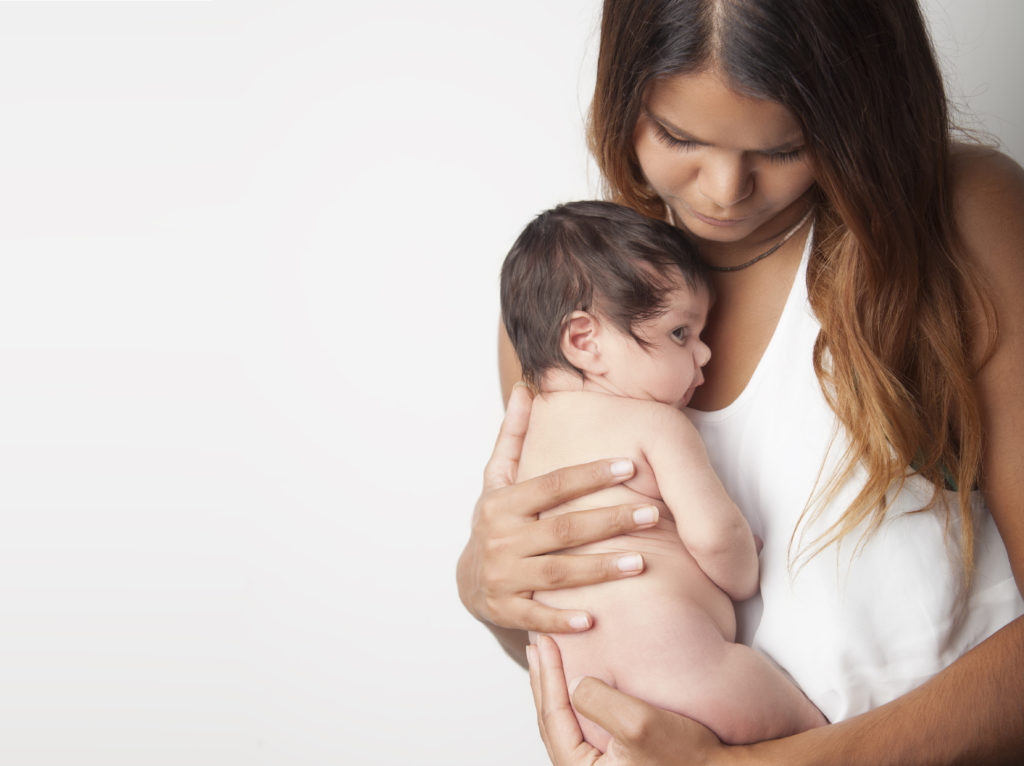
{"x":643,"y":628}
{"x":677,"y":659}
{"x":586,"y":654}
{"x":657,"y":649}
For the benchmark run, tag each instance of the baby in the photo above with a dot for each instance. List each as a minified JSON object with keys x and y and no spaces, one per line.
{"x":605,"y":309}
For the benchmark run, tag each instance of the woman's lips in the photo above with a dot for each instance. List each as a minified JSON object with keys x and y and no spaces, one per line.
{"x":717,"y":221}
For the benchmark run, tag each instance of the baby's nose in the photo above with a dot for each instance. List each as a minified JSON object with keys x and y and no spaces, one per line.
{"x":703,"y":354}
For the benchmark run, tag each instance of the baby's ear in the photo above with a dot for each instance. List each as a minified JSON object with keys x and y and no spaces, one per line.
{"x":581,"y":342}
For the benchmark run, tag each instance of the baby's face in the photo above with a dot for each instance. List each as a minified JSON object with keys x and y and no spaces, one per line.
{"x":668,"y":370}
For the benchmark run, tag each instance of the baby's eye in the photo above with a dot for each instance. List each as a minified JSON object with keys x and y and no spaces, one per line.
{"x":681,"y":334}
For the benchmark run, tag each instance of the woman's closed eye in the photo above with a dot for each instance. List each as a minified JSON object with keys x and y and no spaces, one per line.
{"x":669,"y":140}
{"x":790,"y":156}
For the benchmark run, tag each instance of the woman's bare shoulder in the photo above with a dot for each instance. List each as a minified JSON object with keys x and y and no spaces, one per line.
{"x":988,"y":189}
{"x":988,"y":199}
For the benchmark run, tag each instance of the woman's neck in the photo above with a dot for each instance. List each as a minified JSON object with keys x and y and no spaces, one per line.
{"x":789,"y":223}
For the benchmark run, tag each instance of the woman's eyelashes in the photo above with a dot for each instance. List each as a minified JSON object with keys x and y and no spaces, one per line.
{"x":669,"y":140}
{"x":791,"y":156}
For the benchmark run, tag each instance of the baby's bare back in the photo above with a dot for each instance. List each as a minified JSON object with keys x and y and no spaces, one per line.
{"x":665,"y":636}
{"x":569,"y":428}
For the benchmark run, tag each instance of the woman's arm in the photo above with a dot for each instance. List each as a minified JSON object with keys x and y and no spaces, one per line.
{"x":510,"y":553}
{"x":990,"y":213}
{"x":973,"y":711}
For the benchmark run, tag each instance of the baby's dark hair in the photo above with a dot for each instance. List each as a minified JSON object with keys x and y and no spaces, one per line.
{"x":590,"y":256}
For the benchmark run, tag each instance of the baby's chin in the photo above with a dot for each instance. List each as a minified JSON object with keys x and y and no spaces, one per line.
{"x":680,"y":404}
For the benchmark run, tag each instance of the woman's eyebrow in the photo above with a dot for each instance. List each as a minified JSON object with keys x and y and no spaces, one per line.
{"x":676,"y":131}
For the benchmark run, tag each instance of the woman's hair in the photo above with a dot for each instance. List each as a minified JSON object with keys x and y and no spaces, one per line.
{"x":885,"y":279}
{"x":590,"y":256}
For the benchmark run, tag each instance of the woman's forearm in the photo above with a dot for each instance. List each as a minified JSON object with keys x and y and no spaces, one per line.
{"x":970,"y":713}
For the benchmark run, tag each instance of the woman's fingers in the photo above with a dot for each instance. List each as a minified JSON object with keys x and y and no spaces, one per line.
{"x":503,"y":466}
{"x":506,"y":591}
{"x":525,"y":500}
{"x":580,"y":527}
{"x":558,"y":725}
{"x":501,"y":591}
{"x":626,"y":718}
{"x":555,"y":572}
{"x":546,"y":619}
{"x":506,"y":559}
{"x":552,"y":489}
{"x":642,"y":733}
{"x":533,"y":665}
{"x":562,"y":570}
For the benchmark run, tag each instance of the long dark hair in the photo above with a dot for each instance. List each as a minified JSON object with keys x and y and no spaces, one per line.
{"x":885,"y":280}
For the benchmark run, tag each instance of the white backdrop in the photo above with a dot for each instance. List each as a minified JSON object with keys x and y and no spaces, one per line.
{"x":248,"y":268}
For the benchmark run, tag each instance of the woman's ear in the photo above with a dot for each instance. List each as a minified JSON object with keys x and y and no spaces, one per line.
{"x":581,"y":342}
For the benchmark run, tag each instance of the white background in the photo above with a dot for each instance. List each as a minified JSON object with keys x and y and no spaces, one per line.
{"x":248,"y":269}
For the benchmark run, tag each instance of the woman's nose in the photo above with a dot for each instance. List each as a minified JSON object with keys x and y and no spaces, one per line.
{"x":725,"y":180}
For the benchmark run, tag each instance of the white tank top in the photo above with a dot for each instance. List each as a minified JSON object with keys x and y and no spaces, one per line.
{"x":854,"y":629}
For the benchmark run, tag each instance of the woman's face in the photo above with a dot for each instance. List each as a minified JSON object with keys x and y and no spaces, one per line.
{"x":729,"y":166}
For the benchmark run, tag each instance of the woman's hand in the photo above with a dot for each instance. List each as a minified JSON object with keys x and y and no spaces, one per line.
{"x":641,"y":734}
{"x":510,"y":554}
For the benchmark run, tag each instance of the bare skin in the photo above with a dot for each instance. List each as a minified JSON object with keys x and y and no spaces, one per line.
{"x":973,"y":711}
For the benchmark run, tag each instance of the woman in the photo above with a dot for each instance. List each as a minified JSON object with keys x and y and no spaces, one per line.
{"x":869,"y":347}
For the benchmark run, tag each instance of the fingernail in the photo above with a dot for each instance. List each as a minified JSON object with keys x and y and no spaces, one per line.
{"x":579,"y":621}
{"x":573,"y":684}
{"x":645,"y":515}
{"x":631,"y":563}
{"x":622,"y":468}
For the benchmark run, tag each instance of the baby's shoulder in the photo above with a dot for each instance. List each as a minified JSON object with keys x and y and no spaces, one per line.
{"x":652,"y":423}
{"x":607,"y":415}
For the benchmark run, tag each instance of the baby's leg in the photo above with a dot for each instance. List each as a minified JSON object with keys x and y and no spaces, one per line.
{"x":586,"y":654}
{"x":675,"y":657}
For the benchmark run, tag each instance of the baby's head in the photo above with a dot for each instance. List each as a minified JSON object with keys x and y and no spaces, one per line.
{"x":612,"y":296}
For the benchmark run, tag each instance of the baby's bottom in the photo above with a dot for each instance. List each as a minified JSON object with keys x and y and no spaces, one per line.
{"x":674,"y":656}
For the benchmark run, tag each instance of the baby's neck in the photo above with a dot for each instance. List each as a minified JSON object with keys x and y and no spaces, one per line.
{"x":560,"y":381}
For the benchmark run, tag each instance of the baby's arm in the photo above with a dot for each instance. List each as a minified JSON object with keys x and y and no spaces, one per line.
{"x":708,"y":521}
